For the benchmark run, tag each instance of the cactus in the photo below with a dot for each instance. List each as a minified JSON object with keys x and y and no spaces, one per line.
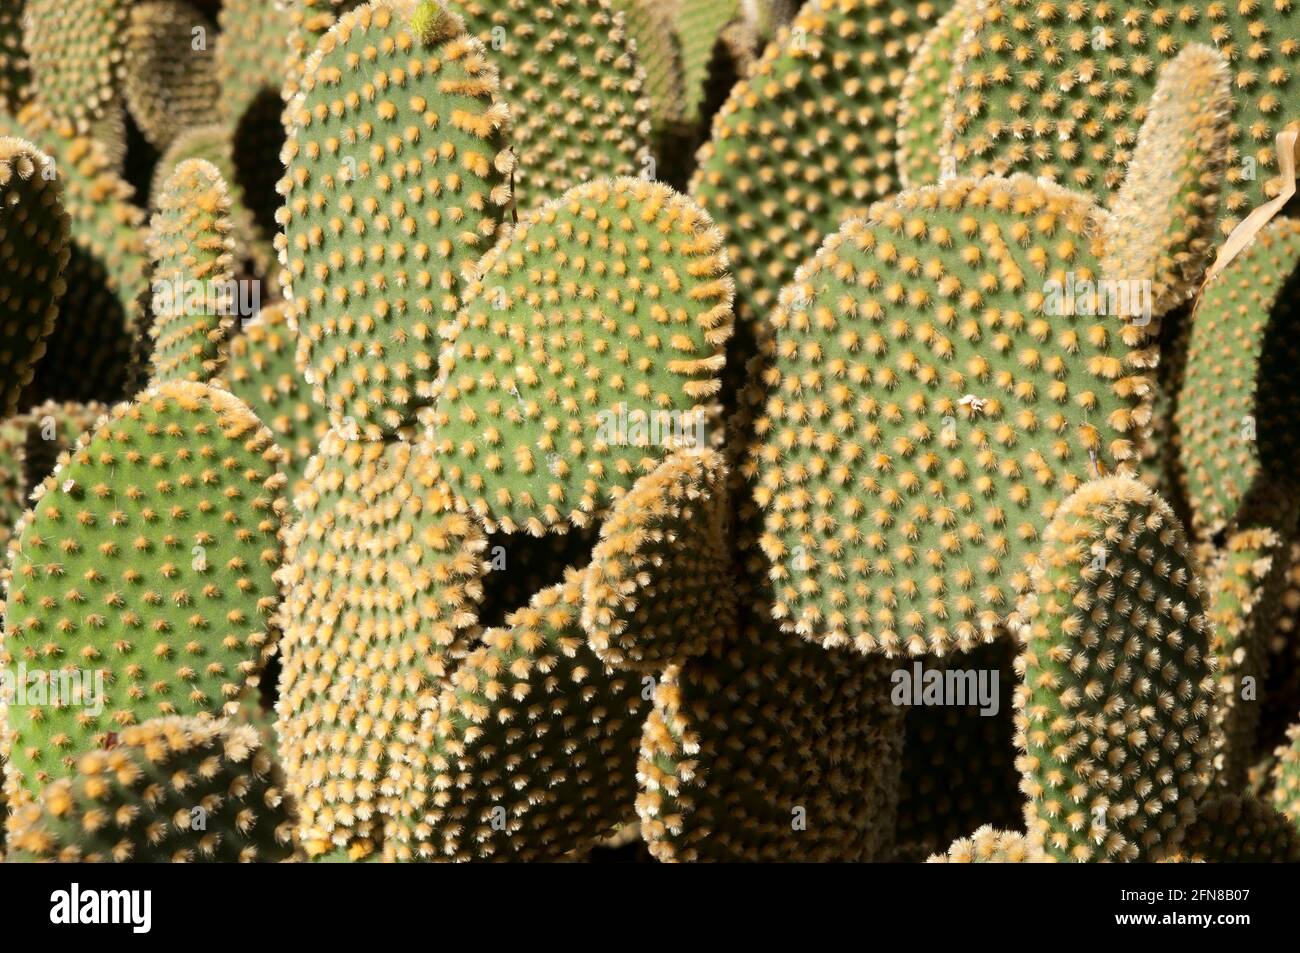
{"x":15,"y":79}
{"x":367,"y":315}
{"x":520,"y":566}
{"x":530,"y":752}
{"x":142,"y":576}
{"x":251,"y":53}
{"x":575,"y":89}
{"x":826,"y":89}
{"x":923,"y":104}
{"x":260,"y":371}
{"x":1114,"y":716}
{"x":1060,"y":92}
{"x":192,"y":251}
{"x":699,"y":25}
{"x":931,"y":404}
{"x":767,"y":748}
{"x":1286,"y":776}
{"x":169,"y":790}
{"x":1239,"y":829}
{"x":101,"y":310}
{"x":381,"y":580}
{"x":309,"y":21}
{"x":650,"y":25}
{"x":34,"y":253}
{"x":1238,"y":396}
{"x":1282,"y":689}
{"x":988,"y":845}
{"x":171,"y":74}
{"x":76,"y":53}
{"x":658,"y":586}
{"x":540,"y":430}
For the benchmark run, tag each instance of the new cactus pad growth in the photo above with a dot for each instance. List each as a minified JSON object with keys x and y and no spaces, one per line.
{"x":141,"y":580}
{"x":398,"y":150}
{"x":170,"y":790}
{"x":1114,"y":714}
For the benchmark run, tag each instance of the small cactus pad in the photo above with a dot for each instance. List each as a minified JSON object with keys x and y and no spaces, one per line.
{"x":1114,"y":711}
{"x":942,"y":379}
{"x":381,"y":582}
{"x":1239,"y":400}
{"x":171,"y":69}
{"x":142,"y":578}
{"x":194,"y":292}
{"x":1239,"y":829}
{"x":770,"y":749}
{"x":659,"y":584}
{"x":169,"y":790}
{"x":397,"y":181}
{"x":34,"y":251}
{"x":586,"y":350}
{"x":86,"y":355}
{"x":807,"y":138}
{"x":988,"y":845}
{"x":575,"y":89}
{"x":531,"y":754}
{"x":260,"y":371}
{"x":1059,"y":92}
{"x":923,"y":103}
{"x":1163,"y":215}
{"x":76,"y":52}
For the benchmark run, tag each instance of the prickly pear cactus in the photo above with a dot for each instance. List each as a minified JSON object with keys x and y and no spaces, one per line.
{"x":588,"y":347}
{"x":76,"y":51}
{"x":1114,"y":715}
{"x":420,"y":157}
{"x":923,"y":105}
{"x":34,"y":252}
{"x":169,"y":790}
{"x":171,"y":70}
{"x":141,"y":581}
{"x":15,"y":80}
{"x":988,"y":845}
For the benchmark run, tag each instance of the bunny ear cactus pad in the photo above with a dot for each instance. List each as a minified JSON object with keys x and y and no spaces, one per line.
{"x":76,"y":53}
{"x":192,"y":250}
{"x":1115,"y":709}
{"x":767,"y":748}
{"x":659,"y":585}
{"x":171,"y":75}
{"x":575,"y":89}
{"x":807,"y":138}
{"x":1235,"y":413}
{"x":34,"y":240}
{"x":170,"y":790}
{"x":942,"y":378}
{"x":147,"y":560}
{"x":260,"y":371}
{"x":531,"y":753}
{"x":1059,"y":91}
{"x":923,"y":104}
{"x":251,"y":53}
{"x":588,"y":346}
{"x":397,"y":181}
{"x":382,"y":579}
{"x":698,"y":26}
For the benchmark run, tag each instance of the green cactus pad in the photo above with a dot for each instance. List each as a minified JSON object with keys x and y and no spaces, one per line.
{"x":1059,"y":92}
{"x":659,"y":584}
{"x":530,"y":754}
{"x":381,"y":582}
{"x":15,"y":79}
{"x":1114,"y":714}
{"x":397,"y":182}
{"x":169,"y":790}
{"x":1239,"y":396}
{"x":260,"y":371}
{"x":575,"y":89}
{"x":650,"y":24}
{"x":87,"y":354}
{"x":770,"y":749}
{"x":586,"y":349}
{"x":929,"y":407}
{"x":309,"y":20}
{"x":988,"y":845}
{"x":923,"y":103}
{"x":191,"y":245}
{"x":34,"y":253}
{"x":76,"y":54}
{"x":252,"y":54}
{"x":807,"y":139}
{"x":1282,"y":690}
{"x":171,"y":69}
{"x":147,"y":557}
{"x":1239,"y":829}
{"x":699,"y":24}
